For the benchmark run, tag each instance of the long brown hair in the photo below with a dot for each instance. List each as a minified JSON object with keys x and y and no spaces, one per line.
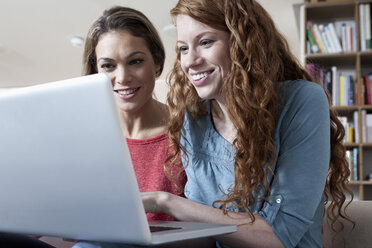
{"x":120,"y":18}
{"x":260,"y":59}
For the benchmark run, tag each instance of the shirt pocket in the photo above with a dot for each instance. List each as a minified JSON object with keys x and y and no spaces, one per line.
{"x":271,"y":208}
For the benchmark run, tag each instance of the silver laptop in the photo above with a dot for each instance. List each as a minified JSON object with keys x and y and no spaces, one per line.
{"x":65,"y":169}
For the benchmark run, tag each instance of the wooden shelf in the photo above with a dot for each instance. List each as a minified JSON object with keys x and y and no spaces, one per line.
{"x":357,"y":64}
{"x":360,"y":183}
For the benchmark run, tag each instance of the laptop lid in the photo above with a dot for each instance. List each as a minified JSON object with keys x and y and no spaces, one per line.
{"x":62,"y":153}
{"x":66,"y":170}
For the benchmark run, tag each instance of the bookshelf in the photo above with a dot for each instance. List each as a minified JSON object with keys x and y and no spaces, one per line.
{"x":342,"y":73}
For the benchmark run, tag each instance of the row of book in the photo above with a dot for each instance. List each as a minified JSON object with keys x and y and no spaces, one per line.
{"x":341,"y":86}
{"x":332,"y":37}
{"x":352,"y":158}
{"x":365,"y":26}
{"x":351,"y":126}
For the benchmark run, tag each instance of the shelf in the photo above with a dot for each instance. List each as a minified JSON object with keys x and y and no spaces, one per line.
{"x":356,"y":64}
{"x":329,"y":11}
{"x":346,"y":108}
{"x":330,"y":59}
{"x":333,"y":55}
{"x":360,"y":182}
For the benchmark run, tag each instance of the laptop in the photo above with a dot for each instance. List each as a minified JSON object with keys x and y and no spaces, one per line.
{"x":65,"y":168}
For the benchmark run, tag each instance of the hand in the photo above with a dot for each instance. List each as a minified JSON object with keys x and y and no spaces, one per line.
{"x":152,"y":201}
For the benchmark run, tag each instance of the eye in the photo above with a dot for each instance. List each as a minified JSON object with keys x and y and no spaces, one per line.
{"x":183,"y":49}
{"x":107,"y":66}
{"x":135,"y":61}
{"x":206,"y":42}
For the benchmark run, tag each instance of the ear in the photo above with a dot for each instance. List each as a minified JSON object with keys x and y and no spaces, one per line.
{"x":157,"y":69}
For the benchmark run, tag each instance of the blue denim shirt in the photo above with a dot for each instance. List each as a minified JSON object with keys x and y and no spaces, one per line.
{"x":294,"y":208}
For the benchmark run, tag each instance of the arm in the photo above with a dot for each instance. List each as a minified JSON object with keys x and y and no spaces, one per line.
{"x":293,"y":211}
{"x":256,"y":234}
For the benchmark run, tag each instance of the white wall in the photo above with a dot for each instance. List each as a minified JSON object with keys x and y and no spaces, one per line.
{"x":283,"y":14}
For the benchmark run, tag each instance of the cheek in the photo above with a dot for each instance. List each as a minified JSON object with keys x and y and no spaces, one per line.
{"x":182,"y":64}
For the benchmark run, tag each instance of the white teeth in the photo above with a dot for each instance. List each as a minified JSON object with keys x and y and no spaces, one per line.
{"x":199,"y":76}
{"x":127,"y":92}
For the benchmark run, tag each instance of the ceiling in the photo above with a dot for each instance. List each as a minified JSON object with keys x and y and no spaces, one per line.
{"x":35,"y":36}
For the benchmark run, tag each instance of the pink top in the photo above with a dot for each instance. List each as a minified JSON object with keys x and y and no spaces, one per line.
{"x":148,"y":156}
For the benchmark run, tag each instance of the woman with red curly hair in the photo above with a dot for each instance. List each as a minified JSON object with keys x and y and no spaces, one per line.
{"x":261,"y":146}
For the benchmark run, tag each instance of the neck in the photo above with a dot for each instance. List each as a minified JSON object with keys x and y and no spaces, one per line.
{"x":222,"y":121}
{"x":149,"y":121}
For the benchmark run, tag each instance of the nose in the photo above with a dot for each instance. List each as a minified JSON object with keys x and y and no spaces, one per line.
{"x":192,"y":58}
{"x":122,"y":76}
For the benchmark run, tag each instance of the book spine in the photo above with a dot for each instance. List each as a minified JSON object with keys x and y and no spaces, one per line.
{"x":356,"y":92}
{"x":349,"y":36}
{"x":335,"y":38}
{"x":349,"y":82}
{"x":362,"y":27}
{"x":356,"y":126}
{"x":367,"y":16}
{"x":327,"y":48}
{"x":332,"y":46}
{"x":355,"y":164}
{"x":342,"y":90}
{"x":369,"y":127}
{"x":335,"y":93}
{"x":367,"y":90}
{"x":328,"y":81}
{"x":313,"y":46}
{"x":364,"y":126}
{"x":318,"y":38}
{"x":354,"y":37}
{"x":343,"y":37}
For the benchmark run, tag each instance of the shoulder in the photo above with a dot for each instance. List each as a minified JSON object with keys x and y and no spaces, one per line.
{"x":303,"y":105}
{"x":300,"y":91}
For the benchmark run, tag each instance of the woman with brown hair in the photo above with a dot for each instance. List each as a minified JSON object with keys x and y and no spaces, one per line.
{"x":261,"y":146}
{"x":125,"y":45}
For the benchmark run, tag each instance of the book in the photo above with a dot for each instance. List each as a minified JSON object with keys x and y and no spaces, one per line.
{"x":332,"y":45}
{"x":354,"y":39}
{"x":355,"y":164}
{"x":335,"y":87}
{"x":318,"y":38}
{"x":343,"y":91}
{"x":344,"y":37}
{"x":348,"y":80}
{"x":348,"y":156}
{"x":313,"y":46}
{"x":367,"y":92}
{"x":362,"y":27}
{"x":327,"y":46}
{"x":334,"y":37}
{"x":369,"y":127}
{"x":356,"y":126}
{"x":328,"y":81}
{"x":364,"y":126}
{"x":349,"y":36}
{"x":367,"y":18}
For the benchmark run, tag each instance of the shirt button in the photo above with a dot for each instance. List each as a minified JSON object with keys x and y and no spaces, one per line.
{"x":278,"y":201}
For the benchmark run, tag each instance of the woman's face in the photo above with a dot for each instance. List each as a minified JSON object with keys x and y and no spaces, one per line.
{"x":129,"y":64}
{"x":205,"y":55}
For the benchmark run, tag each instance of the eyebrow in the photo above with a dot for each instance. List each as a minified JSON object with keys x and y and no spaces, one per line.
{"x":198,"y":36}
{"x":126,"y":57}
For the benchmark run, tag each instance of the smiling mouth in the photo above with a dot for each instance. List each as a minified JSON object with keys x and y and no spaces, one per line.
{"x":200,"y":76}
{"x":127,"y":91}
